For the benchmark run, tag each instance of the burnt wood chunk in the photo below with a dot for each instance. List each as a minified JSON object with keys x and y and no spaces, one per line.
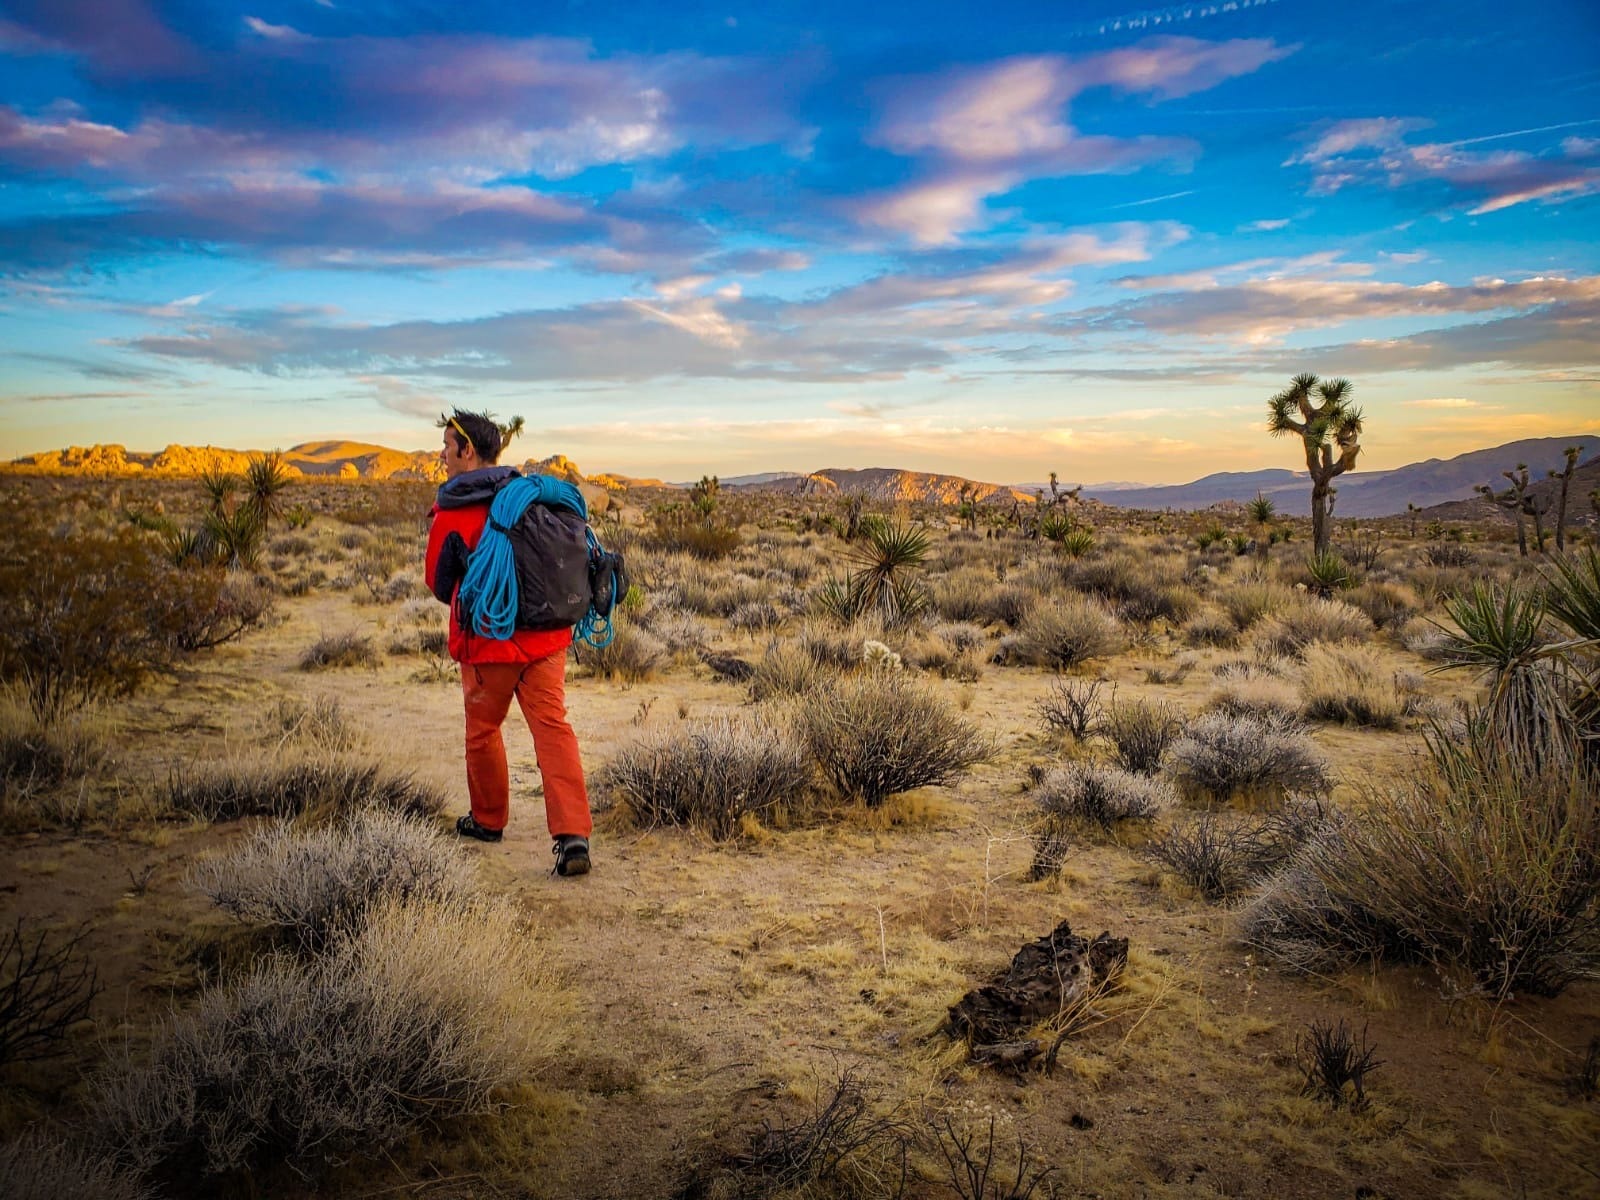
{"x":1045,"y":977}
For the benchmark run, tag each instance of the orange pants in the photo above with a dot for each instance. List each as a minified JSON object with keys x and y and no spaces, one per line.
{"x":487,"y":689}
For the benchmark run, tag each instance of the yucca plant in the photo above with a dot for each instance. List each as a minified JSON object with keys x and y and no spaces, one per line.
{"x":888,"y":559}
{"x":1573,"y":594}
{"x":266,"y":478}
{"x":219,"y":487}
{"x":1078,"y":542}
{"x":237,"y":535}
{"x":1328,"y":573}
{"x":1503,"y":633}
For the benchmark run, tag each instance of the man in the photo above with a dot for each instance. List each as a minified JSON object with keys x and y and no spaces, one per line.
{"x":530,"y":665}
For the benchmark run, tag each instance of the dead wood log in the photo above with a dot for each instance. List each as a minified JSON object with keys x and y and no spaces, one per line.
{"x":1046,"y":977}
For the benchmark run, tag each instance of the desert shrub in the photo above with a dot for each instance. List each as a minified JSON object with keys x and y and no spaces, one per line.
{"x":89,"y":616}
{"x":839,"y":649}
{"x":294,"y":545}
{"x":1066,"y":633}
{"x":710,"y":775}
{"x":848,"y":1148}
{"x":1210,"y":627}
{"x":45,"y":989}
{"x":36,"y":1167}
{"x":1389,"y":605}
{"x":1289,"y":633}
{"x":1140,"y":732}
{"x":1222,"y":858}
{"x":1246,"y":689}
{"x":290,"y":785}
{"x":1332,"y":1061}
{"x":1080,"y":798}
{"x":1426,"y":638}
{"x":953,"y":658}
{"x":1214,"y":856}
{"x":679,"y":531}
{"x":1480,"y":862}
{"x":1448,"y":554}
{"x":1219,"y":758}
{"x":1141,"y":590}
{"x":756,"y":616}
{"x":681,"y":632}
{"x":312,"y":884}
{"x":878,"y":733}
{"x":962,"y":595}
{"x":633,"y":654}
{"x":719,"y":595}
{"x":1008,"y":604}
{"x":347,"y":648}
{"x":1072,"y":707}
{"x":961,"y":636}
{"x":1251,"y":599}
{"x":1349,"y":684}
{"x":419,"y":1015}
{"x":786,"y":669}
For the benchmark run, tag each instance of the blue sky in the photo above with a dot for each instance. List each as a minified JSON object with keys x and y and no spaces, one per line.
{"x":996,"y":240}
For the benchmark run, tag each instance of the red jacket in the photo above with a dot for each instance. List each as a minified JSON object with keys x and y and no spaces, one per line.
{"x":524,"y":645}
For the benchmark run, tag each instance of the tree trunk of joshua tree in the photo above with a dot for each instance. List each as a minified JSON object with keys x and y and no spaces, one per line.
{"x":1319,"y":516}
{"x":1537,"y":512}
{"x":1522,"y":531}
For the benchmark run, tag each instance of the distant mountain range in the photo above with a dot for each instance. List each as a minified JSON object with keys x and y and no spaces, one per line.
{"x":1360,"y":494}
{"x":1364,"y":493}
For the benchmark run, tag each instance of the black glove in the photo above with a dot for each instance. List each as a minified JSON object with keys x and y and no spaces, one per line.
{"x":451,"y":568}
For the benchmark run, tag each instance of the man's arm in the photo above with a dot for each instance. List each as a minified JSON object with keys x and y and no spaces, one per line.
{"x":446,"y":561}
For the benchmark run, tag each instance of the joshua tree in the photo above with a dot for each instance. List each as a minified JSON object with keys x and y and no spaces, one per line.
{"x":967,"y":509}
{"x":703,"y":496}
{"x":1330,"y":432}
{"x":266,"y":478}
{"x":1261,"y":511}
{"x":1514,"y":500}
{"x":1411,"y":513}
{"x":1565,"y":475}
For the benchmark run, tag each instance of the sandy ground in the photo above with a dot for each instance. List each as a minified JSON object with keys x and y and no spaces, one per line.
{"x":720,"y":986}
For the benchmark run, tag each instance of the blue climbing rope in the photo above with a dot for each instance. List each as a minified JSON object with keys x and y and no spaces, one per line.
{"x":595,"y":629}
{"x":489,"y":591}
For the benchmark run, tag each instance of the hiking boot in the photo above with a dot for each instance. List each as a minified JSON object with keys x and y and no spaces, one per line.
{"x":467,"y":827}
{"x":572,"y":854}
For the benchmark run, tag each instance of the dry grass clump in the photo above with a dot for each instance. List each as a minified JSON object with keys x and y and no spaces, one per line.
{"x":1141,"y":589}
{"x":314,"y":884}
{"x":681,"y":632}
{"x":320,"y":723}
{"x":1482,"y":863}
{"x":1255,"y":760}
{"x":878,"y":733}
{"x":709,"y":775}
{"x":1389,"y":605}
{"x":1065,"y":633}
{"x":1140,"y":732}
{"x":962,"y":595}
{"x":949,"y":651}
{"x":1426,"y":638}
{"x":717,"y":593}
{"x":38,"y":757}
{"x":787,"y":669}
{"x":1210,"y":627}
{"x":37,"y":1167}
{"x":1254,"y":689}
{"x":1254,"y":598}
{"x":1089,"y":798}
{"x":348,"y":648}
{"x":1288,"y":633}
{"x":292,"y":785}
{"x":1350,"y":684}
{"x":756,"y":616}
{"x":633,"y":655}
{"x":418,"y":1016}
{"x":1008,"y":604}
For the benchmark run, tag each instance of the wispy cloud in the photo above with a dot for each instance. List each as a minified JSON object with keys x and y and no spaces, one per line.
{"x":1378,"y":151}
{"x":980,"y":131}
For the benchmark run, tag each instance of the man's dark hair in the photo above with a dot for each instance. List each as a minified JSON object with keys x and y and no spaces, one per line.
{"x":480,"y":429}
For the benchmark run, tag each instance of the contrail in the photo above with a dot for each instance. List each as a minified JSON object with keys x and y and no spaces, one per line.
{"x":1172,"y":14}
{"x":1494,"y":137}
